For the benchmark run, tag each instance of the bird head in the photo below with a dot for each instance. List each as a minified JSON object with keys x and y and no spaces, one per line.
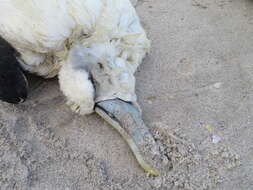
{"x":115,"y":98}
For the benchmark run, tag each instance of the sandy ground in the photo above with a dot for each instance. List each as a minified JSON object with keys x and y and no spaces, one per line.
{"x":196,"y":92}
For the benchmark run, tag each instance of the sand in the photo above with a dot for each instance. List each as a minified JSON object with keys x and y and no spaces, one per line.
{"x":195,"y":89}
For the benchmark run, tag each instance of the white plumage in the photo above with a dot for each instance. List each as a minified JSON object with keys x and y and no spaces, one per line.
{"x":78,"y":39}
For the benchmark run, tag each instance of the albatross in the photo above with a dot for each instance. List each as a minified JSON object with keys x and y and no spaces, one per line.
{"x":94,"y":47}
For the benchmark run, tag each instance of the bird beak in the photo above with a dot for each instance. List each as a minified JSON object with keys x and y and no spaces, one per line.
{"x":127,"y":120}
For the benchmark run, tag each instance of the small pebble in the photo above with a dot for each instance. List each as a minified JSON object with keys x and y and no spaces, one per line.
{"x":225,"y":155}
{"x":157,"y":182}
{"x":217,"y":85}
{"x":165,"y":161}
{"x":208,"y":127}
{"x":150,"y":102}
{"x":216,"y":139}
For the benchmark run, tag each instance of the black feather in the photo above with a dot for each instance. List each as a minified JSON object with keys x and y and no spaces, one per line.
{"x":13,"y":83}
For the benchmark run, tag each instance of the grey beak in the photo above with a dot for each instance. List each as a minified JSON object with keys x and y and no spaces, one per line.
{"x":127,"y":120}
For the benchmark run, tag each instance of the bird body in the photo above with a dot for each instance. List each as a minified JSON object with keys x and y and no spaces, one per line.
{"x":47,"y":32}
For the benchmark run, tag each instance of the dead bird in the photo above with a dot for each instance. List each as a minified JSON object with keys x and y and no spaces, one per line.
{"x":95,"y":47}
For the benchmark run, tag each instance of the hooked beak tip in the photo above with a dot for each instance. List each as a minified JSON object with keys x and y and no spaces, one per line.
{"x":127,"y":120}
